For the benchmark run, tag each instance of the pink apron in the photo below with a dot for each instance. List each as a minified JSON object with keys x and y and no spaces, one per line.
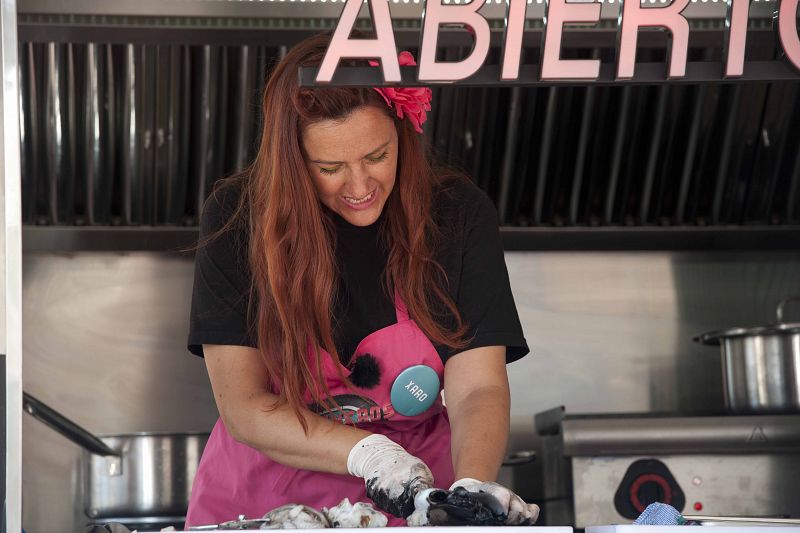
{"x":235,"y":479}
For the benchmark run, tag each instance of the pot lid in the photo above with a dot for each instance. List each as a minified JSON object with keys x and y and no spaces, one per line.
{"x":715,"y":337}
{"x":779,"y":328}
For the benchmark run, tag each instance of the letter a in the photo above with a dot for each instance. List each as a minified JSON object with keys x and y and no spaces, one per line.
{"x":382,"y":47}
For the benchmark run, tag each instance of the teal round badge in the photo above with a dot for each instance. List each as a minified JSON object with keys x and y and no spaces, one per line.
{"x":415,"y":390}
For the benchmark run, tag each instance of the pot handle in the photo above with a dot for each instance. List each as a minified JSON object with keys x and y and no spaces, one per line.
{"x":65,"y":426}
{"x":783,"y":303}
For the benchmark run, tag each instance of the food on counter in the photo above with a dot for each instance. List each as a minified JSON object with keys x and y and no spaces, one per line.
{"x":434,"y":507}
{"x":359,"y":514}
{"x":343,"y":515}
{"x":295,"y":516}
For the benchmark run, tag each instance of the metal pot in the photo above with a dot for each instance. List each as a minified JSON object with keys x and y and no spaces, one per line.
{"x":133,"y":475}
{"x":760,"y":365}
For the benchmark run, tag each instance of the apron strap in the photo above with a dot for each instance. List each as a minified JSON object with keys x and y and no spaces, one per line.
{"x":400,"y":307}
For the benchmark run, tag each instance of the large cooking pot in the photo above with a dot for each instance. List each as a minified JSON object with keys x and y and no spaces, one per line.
{"x":760,"y":365}
{"x":133,"y":475}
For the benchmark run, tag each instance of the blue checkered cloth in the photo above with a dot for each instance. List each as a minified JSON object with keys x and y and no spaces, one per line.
{"x":660,"y":514}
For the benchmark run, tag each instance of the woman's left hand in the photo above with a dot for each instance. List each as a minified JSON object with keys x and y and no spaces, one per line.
{"x":519,"y":512}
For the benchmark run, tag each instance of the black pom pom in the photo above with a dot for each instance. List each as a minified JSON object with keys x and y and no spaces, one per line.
{"x":365,"y":371}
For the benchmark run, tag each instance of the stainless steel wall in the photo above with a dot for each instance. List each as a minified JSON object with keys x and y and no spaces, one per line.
{"x":104,"y":342}
{"x":612,"y":332}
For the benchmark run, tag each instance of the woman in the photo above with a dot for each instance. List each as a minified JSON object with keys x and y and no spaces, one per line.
{"x":340,"y":281}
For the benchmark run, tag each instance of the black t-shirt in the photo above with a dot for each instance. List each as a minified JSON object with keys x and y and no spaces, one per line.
{"x":470,"y":253}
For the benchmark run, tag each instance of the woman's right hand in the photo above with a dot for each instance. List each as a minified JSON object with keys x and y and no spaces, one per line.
{"x":392,"y":475}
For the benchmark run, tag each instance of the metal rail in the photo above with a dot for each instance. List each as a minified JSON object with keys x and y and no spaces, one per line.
{"x":606,"y":238}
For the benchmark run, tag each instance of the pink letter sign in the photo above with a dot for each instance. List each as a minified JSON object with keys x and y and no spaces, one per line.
{"x":633,"y":16}
{"x":557,"y":12}
{"x":787,"y":31}
{"x":382,"y":47}
{"x":435,"y":14}
{"x":736,"y":28}
{"x":512,"y":47}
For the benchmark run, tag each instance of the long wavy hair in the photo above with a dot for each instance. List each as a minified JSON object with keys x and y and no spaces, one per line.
{"x":292,"y":239}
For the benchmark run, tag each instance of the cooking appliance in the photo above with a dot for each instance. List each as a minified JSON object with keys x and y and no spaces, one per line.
{"x":704,"y":520}
{"x":681,"y":529}
{"x":133,"y":476}
{"x":439,"y":529}
{"x":605,"y":469}
{"x":760,"y":365}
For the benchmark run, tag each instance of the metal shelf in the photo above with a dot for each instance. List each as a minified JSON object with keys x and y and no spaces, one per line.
{"x":308,"y":9}
{"x":181,"y":240}
{"x":652,"y":239}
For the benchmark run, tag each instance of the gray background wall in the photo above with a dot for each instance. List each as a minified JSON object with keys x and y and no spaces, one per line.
{"x":104,"y":342}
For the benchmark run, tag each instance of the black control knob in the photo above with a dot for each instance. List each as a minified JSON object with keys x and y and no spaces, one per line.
{"x":647,"y":481}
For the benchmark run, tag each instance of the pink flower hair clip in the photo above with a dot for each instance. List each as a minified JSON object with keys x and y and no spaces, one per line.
{"x":407,"y":101}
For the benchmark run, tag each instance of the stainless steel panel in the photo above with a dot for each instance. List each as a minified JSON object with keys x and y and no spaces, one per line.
{"x":245,"y":107}
{"x":60,"y":130}
{"x":612,"y":332}
{"x":29,"y":130}
{"x":135,"y":141}
{"x":147,"y":194}
{"x":689,"y":162}
{"x":588,"y":113}
{"x":626,"y":105}
{"x":734,"y":485}
{"x":735,"y":96}
{"x":10,"y":270}
{"x":674,"y":435}
{"x":204,"y":168}
{"x":91,"y":153}
{"x":99,"y":142}
{"x":508,"y":155}
{"x":544,"y":156}
{"x":172,"y":133}
{"x":105,"y":341}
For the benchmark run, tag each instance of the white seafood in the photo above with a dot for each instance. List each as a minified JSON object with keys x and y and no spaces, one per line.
{"x":295,"y":516}
{"x":360,"y":514}
{"x":419,"y":517}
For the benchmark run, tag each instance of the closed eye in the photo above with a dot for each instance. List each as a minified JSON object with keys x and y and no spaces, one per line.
{"x":334,"y":170}
{"x":379,"y":158}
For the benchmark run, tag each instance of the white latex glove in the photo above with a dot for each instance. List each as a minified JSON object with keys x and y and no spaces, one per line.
{"x":392,"y":475}
{"x":519,"y":512}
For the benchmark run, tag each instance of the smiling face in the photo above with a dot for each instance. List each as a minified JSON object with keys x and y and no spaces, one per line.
{"x":353,"y":163}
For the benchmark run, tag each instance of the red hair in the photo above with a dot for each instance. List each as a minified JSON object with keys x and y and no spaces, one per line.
{"x":291,"y":245}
